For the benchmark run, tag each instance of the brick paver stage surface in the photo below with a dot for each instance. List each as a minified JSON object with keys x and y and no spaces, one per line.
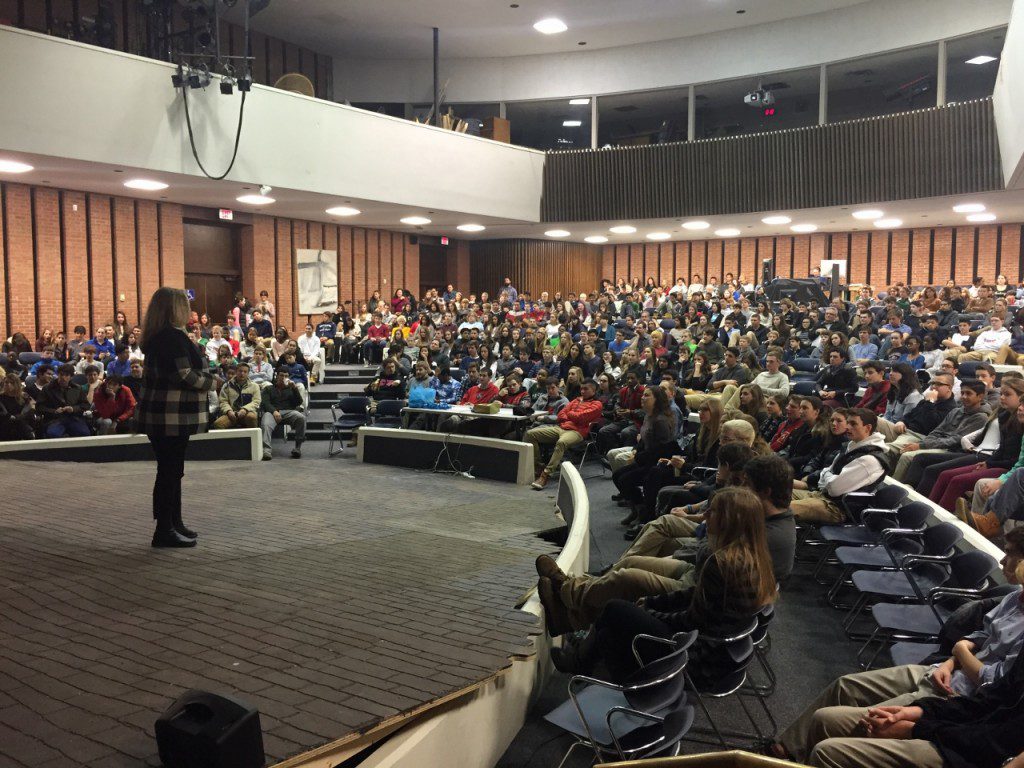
{"x":331,"y":595}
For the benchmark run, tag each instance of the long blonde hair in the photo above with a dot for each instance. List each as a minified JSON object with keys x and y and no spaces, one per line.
{"x":168,"y":308}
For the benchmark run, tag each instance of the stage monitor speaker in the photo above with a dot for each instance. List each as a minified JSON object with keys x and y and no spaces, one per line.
{"x":207,"y":730}
{"x":805,"y":290}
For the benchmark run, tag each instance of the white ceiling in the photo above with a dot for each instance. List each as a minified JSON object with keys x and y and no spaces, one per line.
{"x":64,"y":173}
{"x":401,"y":29}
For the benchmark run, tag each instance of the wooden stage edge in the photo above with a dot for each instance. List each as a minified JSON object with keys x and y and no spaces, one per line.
{"x":486,"y":716}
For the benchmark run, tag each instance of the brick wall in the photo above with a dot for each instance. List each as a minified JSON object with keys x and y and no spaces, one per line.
{"x":879,"y":257}
{"x":68,"y":258}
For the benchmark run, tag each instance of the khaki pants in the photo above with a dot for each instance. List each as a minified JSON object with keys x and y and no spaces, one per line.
{"x":730,"y":398}
{"x":840,"y":706}
{"x":988,"y":355}
{"x":247,"y":419}
{"x":630,"y":579}
{"x":1006,"y":356}
{"x":695,"y":399}
{"x":561,"y":438}
{"x":661,"y":537}
{"x":903,"y":464}
{"x":620,"y":457}
{"x":815,"y":506}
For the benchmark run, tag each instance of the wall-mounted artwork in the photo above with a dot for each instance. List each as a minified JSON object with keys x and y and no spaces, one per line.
{"x":317,"y":280}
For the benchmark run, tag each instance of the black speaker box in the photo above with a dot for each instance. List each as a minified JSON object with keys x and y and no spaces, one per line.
{"x":207,"y":730}
{"x":805,"y":290}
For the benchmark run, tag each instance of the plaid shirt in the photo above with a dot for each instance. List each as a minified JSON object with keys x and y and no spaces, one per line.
{"x":175,"y":384}
{"x":446,"y":393}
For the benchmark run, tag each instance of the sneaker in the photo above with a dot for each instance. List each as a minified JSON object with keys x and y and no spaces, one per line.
{"x":540,"y":482}
{"x":267,"y":456}
{"x":296,"y":452}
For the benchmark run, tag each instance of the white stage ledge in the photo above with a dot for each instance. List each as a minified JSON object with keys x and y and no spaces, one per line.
{"x":218,"y":445}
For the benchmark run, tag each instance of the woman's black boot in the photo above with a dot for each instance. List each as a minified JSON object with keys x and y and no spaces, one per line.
{"x":577,"y":658}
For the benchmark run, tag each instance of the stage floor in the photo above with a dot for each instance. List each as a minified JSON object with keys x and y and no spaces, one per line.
{"x":331,"y":595}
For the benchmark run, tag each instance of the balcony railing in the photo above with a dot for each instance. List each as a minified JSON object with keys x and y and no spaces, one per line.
{"x":947,"y":150}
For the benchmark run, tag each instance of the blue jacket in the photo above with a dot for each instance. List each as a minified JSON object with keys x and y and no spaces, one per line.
{"x":121,"y":369}
{"x":326,"y":330}
{"x":34,"y":370}
{"x":297,"y":372}
{"x":105,"y":346}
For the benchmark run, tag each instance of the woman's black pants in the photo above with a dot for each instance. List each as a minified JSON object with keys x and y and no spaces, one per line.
{"x":170,"y":468}
{"x":618,"y":624}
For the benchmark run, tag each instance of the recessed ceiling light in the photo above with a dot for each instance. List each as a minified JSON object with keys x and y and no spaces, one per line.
{"x":579,"y":102}
{"x":727,"y":232}
{"x":968,"y":208}
{"x":471,"y":227}
{"x":888,"y":223}
{"x":695,"y":225}
{"x":256,"y":200}
{"x":13,"y":166}
{"x":148,"y":185}
{"x":550,"y":26}
{"x":659,"y":235}
{"x":776,"y":220}
{"x":983,"y":59}
{"x":868,"y":213}
{"x":622,"y":229}
{"x":595,"y":239}
{"x":804,"y":227}
{"x":981,"y":217}
{"x":558,"y":233}
{"x":343,"y":210}
{"x":415,"y":221}
{"x":572,"y":123}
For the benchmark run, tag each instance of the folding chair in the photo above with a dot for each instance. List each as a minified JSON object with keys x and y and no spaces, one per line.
{"x":354,"y":413}
{"x":647,"y":715}
{"x":738,"y":649}
{"x":921,"y":622}
{"x":896,"y":545}
{"x":875,"y":522}
{"x":389,"y":413}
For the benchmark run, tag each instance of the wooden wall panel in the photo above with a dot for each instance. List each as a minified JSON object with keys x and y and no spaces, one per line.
{"x":412,"y":263}
{"x":147,"y":235}
{"x":359,"y":264}
{"x":802,"y":263}
{"x":76,"y":260}
{"x":300,"y":239}
{"x":346,"y":271}
{"x":282,"y":296}
{"x":608,"y":262}
{"x":537,"y":265}
{"x":750,"y":264}
{"x":732,"y":258}
{"x":101,"y":253}
{"x":373,"y":264}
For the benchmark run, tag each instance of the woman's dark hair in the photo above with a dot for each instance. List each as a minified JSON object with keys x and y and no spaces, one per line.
{"x":772,"y":476}
{"x":908,"y":383}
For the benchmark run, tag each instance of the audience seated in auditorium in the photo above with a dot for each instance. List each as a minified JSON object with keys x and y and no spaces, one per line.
{"x":573,"y":427}
{"x":17,"y":410}
{"x":859,"y":466}
{"x":63,"y":405}
{"x":239,"y":401}
{"x":732,"y":582}
{"x":896,"y":716}
{"x":282,"y":403}
{"x":113,"y":407}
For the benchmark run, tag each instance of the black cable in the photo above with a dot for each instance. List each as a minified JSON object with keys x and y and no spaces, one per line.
{"x":192,"y":138}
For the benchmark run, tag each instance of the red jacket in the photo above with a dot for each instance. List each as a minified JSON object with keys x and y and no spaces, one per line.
{"x":120,"y":407}
{"x":579,"y":415}
{"x":629,"y":399}
{"x":875,"y":398}
{"x":782,"y":434}
{"x":475,"y":396}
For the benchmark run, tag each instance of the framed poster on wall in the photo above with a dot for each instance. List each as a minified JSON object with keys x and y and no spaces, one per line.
{"x":317,"y":280}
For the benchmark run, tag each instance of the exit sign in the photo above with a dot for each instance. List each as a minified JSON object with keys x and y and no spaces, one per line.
{"x":226,"y":214}
{"x":444,"y":241}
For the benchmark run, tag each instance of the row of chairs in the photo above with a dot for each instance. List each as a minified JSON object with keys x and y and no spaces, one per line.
{"x":905,"y":571}
{"x":354,"y":411}
{"x":652,"y":713}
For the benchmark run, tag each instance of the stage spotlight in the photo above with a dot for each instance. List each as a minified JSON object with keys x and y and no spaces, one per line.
{"x":245,"y":83}
{"x":227,"y":86}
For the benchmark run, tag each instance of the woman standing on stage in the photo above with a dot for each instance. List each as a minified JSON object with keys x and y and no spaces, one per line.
{"x":172,"y":407}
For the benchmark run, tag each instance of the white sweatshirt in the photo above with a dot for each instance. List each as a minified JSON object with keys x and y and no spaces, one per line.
{"x":859,"y":473}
